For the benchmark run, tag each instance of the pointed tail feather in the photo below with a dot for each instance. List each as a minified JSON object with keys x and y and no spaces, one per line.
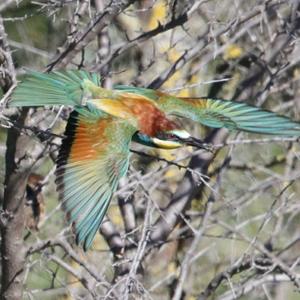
{"x":55,"y":88}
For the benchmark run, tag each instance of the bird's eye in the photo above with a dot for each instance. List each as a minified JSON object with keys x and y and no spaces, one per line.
{"x":162,"y":135}
{"x":171,"y":136}
{"x":166,"y":136}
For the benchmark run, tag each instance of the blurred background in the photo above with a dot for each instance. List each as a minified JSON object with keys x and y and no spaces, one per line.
{"x":184,"y":224}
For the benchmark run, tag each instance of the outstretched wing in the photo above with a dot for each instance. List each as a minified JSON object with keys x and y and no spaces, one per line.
{"x":93,"y":157}
{"x":66,"y":87}
{"x":219,"y":113}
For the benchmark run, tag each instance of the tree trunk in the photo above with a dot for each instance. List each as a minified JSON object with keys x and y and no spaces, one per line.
{"x":12,"y":216}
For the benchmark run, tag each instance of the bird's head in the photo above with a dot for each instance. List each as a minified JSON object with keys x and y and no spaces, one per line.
{"x":170,"y":139}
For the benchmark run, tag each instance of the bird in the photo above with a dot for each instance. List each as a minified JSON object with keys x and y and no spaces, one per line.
{"x":95,"y":150}
{"x":35,"y":203}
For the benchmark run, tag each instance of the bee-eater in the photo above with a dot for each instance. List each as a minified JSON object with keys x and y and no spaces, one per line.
{"x":95,"y":151}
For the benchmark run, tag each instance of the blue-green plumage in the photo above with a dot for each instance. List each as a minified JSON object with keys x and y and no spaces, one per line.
{"x":89,"y":166}
{"x":95,"y":151}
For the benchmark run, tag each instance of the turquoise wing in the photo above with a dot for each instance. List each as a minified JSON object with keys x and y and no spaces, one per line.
{"x":93,"y":157}
{"x":219,"y":113}
{"x":55,"y":88}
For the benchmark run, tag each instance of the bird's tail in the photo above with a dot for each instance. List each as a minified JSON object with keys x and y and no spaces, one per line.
{"x":55,"y":88}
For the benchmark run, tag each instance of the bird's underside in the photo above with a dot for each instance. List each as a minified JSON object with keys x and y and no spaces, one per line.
{"x":95,"y":153}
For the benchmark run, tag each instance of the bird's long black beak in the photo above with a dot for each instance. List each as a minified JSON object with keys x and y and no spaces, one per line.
{"x":197,"y":143}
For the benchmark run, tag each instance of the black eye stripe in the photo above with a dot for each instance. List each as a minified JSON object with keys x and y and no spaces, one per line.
{"x":168,"y":136}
